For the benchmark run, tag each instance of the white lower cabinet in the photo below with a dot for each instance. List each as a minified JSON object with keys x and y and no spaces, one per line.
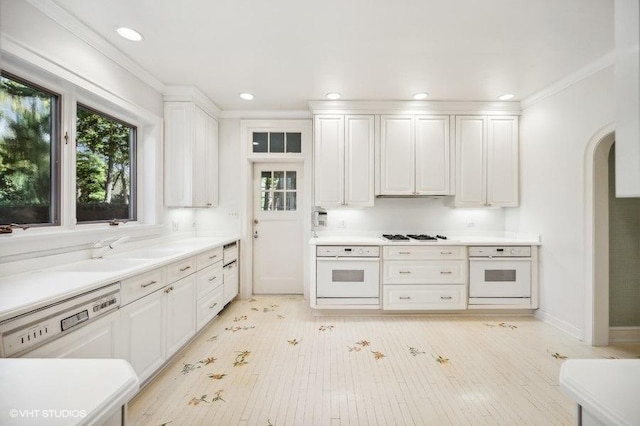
{"x":143,"y":338}
{"x":181,"y":313}
{"x":420,"y":297}
{"x":230,"y":281}
{"x":210,"y":293}
{"x":424,"y":278}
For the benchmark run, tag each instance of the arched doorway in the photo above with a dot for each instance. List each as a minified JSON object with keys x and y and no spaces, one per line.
{"x":597,"y":237}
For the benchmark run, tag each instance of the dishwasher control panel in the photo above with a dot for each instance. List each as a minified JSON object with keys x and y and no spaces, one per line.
{"x":348,"y":251}
{"x":492,"y":251}
{"x":35,"y":328}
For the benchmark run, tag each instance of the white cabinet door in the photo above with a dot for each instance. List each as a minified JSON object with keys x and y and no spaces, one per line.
{"x":179,"y":134}
{"x":181,"y":313}
{"x":191,"y":156}
{"x":328,"y":151}
{"x":359,"y":161}
{"x":502,"y":162}
{"x":144,"y":334}
{"x":432,"y":155}
{"x":230,"y":281}
{"x":397,"y":155}
{"x":471,"y":141}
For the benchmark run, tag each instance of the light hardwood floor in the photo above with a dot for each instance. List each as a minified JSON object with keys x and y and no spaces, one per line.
{"x":271,"y":361}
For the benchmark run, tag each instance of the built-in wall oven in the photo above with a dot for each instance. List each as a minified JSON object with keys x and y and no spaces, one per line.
{"x":348,"y":275}
{"x":500,"y":275}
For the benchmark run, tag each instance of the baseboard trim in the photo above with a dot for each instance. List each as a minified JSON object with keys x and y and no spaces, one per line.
{"x":560,"y":324}
{"x":624,"y":334}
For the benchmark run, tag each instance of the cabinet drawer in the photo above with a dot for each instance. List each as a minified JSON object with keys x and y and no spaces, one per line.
{"x":136,"y":287}
{"x":181,"y":269}
{"x":209,"y":257}
{"x":423,"y":252}
{"x":230,"y":253}
{"x":424,"y":272}
{"x":208,"y":279}
{"x":209,"y":306}
{"x":427,"y":297}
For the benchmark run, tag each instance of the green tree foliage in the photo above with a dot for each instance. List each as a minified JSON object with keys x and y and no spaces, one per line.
{"x":25,"y":145}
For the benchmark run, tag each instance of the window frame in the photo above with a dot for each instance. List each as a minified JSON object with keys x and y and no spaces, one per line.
{"x":55,"y":168}
{"x":133,"y":154}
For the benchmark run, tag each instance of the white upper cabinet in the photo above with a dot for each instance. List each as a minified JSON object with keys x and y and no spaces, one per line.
{"x":487,"y":161}
{"x":343,"y":160}
{"x":414,"y":155}
{"x":191,"y":156}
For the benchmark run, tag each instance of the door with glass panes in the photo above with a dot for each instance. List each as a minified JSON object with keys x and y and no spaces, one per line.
{"x":277,"y":228}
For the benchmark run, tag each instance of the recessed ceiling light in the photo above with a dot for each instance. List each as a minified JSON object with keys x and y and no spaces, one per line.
{"x":506,"y":97}
{"x":129,"y":34}
{"x":333,"y":95}
{"x":420,"y":96}
{"x":246,"y":96}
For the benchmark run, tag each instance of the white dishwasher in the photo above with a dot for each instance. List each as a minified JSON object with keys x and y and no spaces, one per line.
{"x":500,"y":275}
{"x":84,"y":326}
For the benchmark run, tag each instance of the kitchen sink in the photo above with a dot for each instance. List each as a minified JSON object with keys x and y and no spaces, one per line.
{"x":100,"y":265}
{"x":148,"y":253}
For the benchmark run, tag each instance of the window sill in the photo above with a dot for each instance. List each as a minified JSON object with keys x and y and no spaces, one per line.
{"x":36,"y":242}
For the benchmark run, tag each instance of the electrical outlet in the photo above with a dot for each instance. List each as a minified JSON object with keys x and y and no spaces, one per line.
{"x":175,"y":225}
{"x":341,"y":224}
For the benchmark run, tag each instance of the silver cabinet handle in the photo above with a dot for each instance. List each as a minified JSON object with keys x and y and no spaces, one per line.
{"x":404,"y":272}
{"x":445,"y":297}
{"x":213,"y":306}
{"x":185,"y":268}
{"x":405,"y":297}
{"x":212,"y":278}
{"x":446,"y":252}
{"x":213,"y":257}
{"x":149,"y":283}
{"x":404,"y":252}
{"x":168,"y":289}
{"x":446,"y":272}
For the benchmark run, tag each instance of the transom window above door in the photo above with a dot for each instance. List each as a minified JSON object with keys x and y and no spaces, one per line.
{"x":278,"y":191}
{"x":277,"y":142}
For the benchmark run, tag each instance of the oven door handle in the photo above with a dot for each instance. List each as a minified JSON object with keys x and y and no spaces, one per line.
{"x":500,"y":259}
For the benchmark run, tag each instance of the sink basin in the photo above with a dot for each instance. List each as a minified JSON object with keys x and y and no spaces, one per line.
{"x":100,"y":265}
{"x":148,"y":253}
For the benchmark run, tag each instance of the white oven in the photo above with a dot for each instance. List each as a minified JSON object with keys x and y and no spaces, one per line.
{"x":348,"y":275}
{"x":499,"y":275}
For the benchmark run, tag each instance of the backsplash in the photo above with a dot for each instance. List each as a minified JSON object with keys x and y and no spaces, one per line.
{"x":403,"y":215}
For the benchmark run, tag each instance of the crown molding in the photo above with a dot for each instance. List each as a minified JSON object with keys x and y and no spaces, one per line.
{"x":599,"y":64}
{"x":93,"y":39}
{"x":267,"y":114}
{"x":413,"y":107}
{"x":191,"y":94}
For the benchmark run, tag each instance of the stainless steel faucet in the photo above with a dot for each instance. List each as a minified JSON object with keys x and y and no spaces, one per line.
{"x":100,"y":248}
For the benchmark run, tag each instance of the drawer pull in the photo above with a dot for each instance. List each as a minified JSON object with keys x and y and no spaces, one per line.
{"x":405,"y":297}
{"x":148,"y":284}
{"x":404,"y":272}
{"x":213,"y":306}
{"x":185,"y":268}
{"x":404,"y":252}
{"x":213,"y":257}
{"x":446,"y":252}
{"x":212,"y":278}
{"x":168,"y":289}
{"x":446,"y":272}
{"x":445,"y":297}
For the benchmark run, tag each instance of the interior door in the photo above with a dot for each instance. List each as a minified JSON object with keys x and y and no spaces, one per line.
{"x":277,"y":228}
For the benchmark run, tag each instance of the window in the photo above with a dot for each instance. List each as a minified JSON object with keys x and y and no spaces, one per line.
{"x":278,"y":190}
{"x":105,"y":167}
{"x":277,"y":142}
{"x":29,"y":153}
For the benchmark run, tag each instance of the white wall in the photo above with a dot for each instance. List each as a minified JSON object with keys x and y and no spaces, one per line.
{"x":554,"y":134}
{"x":408,"y":215}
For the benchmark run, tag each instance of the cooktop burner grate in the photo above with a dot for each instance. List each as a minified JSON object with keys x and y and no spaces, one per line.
{"x":395,"y":237}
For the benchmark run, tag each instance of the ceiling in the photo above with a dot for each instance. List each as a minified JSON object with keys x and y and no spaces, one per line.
{"x":286,"y":52}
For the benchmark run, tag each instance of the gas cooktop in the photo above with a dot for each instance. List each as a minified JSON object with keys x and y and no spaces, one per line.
{"x":416,"y":237}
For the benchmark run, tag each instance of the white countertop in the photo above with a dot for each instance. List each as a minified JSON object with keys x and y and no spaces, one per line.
{"x":21,"y":293}
{"x":609,"y":389}
{"x":63,"y":391}
{"x":464,"y":240}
